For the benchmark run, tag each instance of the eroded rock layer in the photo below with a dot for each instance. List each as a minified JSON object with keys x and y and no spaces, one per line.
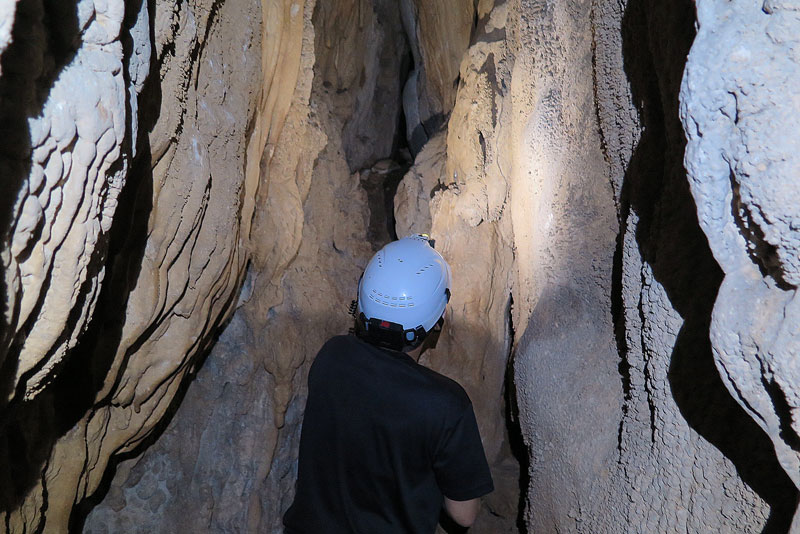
{"x":311,"y":242}
{"x":678,"y":420}
{"x":308,"y":248}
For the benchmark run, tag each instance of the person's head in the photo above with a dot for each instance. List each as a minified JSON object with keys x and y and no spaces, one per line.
{"x":402,"y":294}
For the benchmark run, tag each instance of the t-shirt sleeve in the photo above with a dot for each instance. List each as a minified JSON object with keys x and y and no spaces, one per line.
{"x":462,"y":472}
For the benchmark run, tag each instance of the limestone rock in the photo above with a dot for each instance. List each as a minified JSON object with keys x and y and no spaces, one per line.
{"x":308,"y":248}
{"x":594,"y":341}
{"x":65,"y":172}
{"x":64,"y":162}
{"x":125,"y":252}
{"x":685,"y":457}
{"x":362,"y":57}
{"x":439,"y":33}
{"x":457,"y":192}
{"x":742,"y":160}
{"x":412,"y":202}
{"x":187,"y":201}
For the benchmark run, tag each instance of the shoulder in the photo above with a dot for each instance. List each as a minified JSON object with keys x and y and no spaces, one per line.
{"x":338,"y":345}
{"x":344,"y":351}
{"x":449,"y":394}
{"x":332,"y":353}
{"x":344,"y":340}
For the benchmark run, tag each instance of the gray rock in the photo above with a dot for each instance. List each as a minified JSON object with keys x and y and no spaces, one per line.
{"x":742,"y":159}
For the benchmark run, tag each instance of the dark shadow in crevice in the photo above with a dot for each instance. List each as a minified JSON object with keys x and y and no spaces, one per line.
{"x":381,"y":189}
{"x":381,"y":184}
{"x":657,"y":36}
{"x":516,"y":442}
{"x":620,"y":325}
{"x":762,"y":253}
{"x":784,"y":412}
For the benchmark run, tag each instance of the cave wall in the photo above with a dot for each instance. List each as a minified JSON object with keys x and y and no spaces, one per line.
{"x":124,"y":250}
{"x":678,"y":419}
{"x":624,"y":328}
{"x":310,"y":244}
{"x":456,"y":192}
{"x":308,"y":247}
{"x":612,"y":281}
{"x":740,"y":119}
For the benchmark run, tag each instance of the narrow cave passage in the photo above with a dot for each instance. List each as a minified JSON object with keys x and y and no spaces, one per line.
{"x":365,"y":92}
{"x":388,"y":117}
{"x":194,"y":187}
{"x":378,"y":105}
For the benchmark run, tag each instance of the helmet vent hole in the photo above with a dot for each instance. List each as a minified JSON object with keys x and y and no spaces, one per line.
{"x":425,"y":268}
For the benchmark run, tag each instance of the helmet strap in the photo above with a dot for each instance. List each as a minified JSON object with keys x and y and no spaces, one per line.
{"x":432,"y":337}
{"x":390,"y":335}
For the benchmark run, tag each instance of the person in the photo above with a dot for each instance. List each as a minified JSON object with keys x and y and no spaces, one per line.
{"x":386,"y":443}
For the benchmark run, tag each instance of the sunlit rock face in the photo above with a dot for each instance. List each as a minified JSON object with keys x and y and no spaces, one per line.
{"x":740,"y":113}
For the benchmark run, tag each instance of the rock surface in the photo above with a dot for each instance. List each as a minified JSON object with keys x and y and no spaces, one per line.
{"x":743,"y":161}
{"x":124,"y":253}
{"x":565,"y":129}
{"x":65,"y":165}
{"x":226,"y":165}
{"x":689,"y":458}
{"x":308,"y":248}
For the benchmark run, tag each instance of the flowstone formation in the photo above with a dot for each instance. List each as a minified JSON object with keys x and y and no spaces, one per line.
{"x":195,"y":187}
{"x":124,"y":228}
{"x":678,"y":419}
{"x":566,"y":124}
{"x":742,"y":159}
{"x":311,"y":241}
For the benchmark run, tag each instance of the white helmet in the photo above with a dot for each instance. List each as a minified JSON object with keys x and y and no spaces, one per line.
{"x":403,"y":293}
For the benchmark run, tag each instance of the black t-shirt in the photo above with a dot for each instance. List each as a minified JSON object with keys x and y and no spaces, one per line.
{"x":383,"y":439}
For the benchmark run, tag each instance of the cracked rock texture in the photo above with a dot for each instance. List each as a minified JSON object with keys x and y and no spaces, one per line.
{"x":195,"y":187}
{"x":566,"y":128}
{"x":684,"y":457}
